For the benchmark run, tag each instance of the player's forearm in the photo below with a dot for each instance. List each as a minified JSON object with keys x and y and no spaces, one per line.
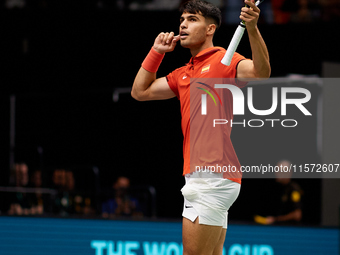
{"x":260,"y":55}
{"x":142,"y":82}
{"x":164,"y":42}
{"x":146,"y":74}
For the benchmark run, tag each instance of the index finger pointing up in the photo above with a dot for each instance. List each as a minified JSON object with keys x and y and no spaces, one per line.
{"x":252,"y":5}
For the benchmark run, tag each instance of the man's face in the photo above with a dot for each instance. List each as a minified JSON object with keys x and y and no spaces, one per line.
{"x":192,"y":30}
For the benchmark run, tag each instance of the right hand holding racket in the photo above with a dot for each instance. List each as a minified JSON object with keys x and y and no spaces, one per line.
{"x":165,"y":42}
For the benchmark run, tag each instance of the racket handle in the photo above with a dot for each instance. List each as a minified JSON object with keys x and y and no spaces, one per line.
{"x":226,"y":60}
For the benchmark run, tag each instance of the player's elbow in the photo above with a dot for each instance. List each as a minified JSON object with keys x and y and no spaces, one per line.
{"x":265,"y":75}
{"x":134,"y":94}
{"x":264,"y":72}
{"x":137,"y":95}
{"x":267,"y":71}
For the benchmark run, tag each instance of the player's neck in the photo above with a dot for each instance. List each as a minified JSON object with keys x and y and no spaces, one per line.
{"x":195,"y":50}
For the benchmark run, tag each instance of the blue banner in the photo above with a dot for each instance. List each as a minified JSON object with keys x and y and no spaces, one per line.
{"x":52,"y":236}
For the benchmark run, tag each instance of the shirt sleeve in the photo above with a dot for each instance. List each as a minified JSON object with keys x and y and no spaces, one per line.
{"x":172,"y":82}
{"x":235,"y":61}
{"x":237,"y":58}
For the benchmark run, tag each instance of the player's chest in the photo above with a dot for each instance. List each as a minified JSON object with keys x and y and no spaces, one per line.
{"x":194,"y":72}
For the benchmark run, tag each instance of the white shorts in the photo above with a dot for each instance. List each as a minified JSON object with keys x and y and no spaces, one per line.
{"x":208,"y":198}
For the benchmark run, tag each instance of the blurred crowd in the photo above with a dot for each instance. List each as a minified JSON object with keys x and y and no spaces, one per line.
{"x":57,"y":194}
{"x":273,"y":11}
{"x":27,"y":195}
{"x":22,"y":203}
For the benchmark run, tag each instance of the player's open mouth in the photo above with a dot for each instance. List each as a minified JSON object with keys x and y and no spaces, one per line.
{"x":183,"y":35}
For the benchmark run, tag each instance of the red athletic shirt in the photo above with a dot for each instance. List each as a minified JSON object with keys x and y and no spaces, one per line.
{"x":205,"y":65}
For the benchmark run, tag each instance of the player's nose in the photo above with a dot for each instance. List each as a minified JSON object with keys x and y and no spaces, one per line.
{"x":183,"y":25}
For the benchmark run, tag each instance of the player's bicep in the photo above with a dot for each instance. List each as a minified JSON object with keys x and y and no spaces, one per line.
{"x":245,"y":69}
{"x":159,"y":90}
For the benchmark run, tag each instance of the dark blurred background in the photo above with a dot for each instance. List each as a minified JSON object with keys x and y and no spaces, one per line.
{"x":64,"y":60}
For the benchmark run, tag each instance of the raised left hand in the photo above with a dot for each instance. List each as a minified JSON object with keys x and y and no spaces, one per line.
{"x":250,"y":15}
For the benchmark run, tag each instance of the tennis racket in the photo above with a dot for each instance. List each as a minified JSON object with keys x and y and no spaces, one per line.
{"x":235,"y":40}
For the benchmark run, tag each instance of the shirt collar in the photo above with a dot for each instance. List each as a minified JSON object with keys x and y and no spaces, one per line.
{"x":204,"y":53}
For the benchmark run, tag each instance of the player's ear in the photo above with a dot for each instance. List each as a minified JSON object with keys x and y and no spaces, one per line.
{"x":211,"y":29}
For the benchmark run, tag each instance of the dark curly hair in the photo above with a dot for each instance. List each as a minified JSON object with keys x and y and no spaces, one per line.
{"x":204,"y":8}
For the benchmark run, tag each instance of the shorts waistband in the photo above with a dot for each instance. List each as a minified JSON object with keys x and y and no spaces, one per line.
{"x":205,"y":174}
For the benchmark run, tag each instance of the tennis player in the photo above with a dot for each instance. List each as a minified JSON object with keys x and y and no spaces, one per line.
{"x":208,"y":195}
